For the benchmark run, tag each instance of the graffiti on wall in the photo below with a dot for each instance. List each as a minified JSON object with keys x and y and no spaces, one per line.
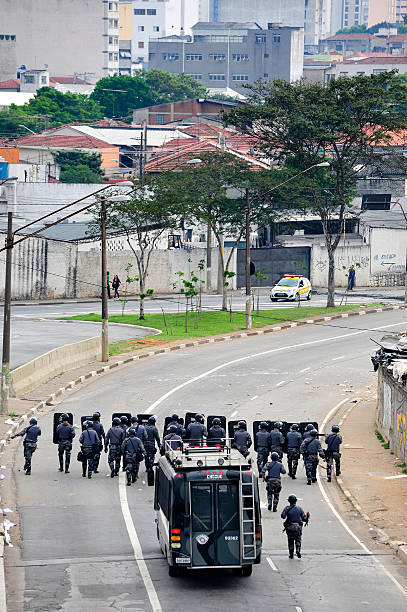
{"x":392,"y":413}
{"x":401,"y":434}
{"x":387,"y":261}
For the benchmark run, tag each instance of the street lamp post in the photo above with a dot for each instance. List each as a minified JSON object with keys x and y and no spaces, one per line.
{"x":105,"y":315}
{"x":5,"y":365}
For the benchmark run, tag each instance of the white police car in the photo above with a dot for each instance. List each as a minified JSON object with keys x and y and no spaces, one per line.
{"x":291,"y":287}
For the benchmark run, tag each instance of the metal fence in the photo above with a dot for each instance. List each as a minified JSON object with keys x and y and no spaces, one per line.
{"x":391,"y":416}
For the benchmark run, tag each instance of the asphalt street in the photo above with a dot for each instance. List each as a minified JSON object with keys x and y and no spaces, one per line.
{"x":79,"y":546}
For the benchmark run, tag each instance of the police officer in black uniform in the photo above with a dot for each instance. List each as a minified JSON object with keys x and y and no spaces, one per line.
{"x":294,"y":440}
{"x":65,"y":435}
{"x":124,"y":425}
{"x":90,"y":443}
{"x":113,"y":441}
{"x":173,"y":438}
{"x":333,"y":443}
{"x":263,"y":444}
{"x":196,"y":431}
{"x":311,"y":448}
{"x":242,"y":440}
{"x":294,"y":518}
{"x":277,"y":439}
{"x":174,"y":421}
{"x":98,"y":427}
{"x":31,"y":434}
{"x":216,"y":433}
{"x":153,"y":437}
{"x":271,"y":473}
{"x":139,"y":429}
{"x":307,"y":431}
{"x":133,"y":452}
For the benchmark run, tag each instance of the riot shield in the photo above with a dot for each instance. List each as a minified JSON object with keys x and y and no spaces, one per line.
{"x":190,"y":418}
{"x":143,"y":418}
{"x":256,"y":427}
{"x":57,"y":421}
{"x":209,"y":421}
{"x":232,"y":426}
{"x":84,"y":419}
{"x":168,"y":421}
{"x":120,"y":414}
{"x":303,"y":425}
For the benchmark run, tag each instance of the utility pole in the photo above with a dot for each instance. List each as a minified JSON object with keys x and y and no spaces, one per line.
{"x":208,"y":258}
{"x":248,"y":282}
{"x":105,"y":315}
{"x":5,"y":366}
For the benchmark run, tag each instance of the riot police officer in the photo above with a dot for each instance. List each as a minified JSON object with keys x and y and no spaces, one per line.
{"x":294,"y":439}
{"x":173,"y":438}
{"x":65,"y":435}
{"x":271,"y":473}
{"x":196,"y":431}
{"x":242,"y":440}
{"x":124,"y":424}
{"x":31,"y":433}
{"x":333,"y":442}
{"x":174,"y":420}
{"x":277,"y":439}
{"x":216,"y":433}
{"x":294,"y":518}
{"x":139,"y":428}
{"x":307,"y":431}
{"x":311,"y":448}
{"x":98,"y":427}
{"x":90,"y":443}
{"x":263,"y":444}
{"x":133,"y":452}
{"x":114,"y":440}
{"x":153,"y":437}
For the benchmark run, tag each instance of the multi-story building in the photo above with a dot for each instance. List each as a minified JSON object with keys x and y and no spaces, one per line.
{"x":75,"y":36}
{"x":347,"y":13}
{"x":229,"y":55}
{"x":8,"y":59}
{"x":313,"y":15}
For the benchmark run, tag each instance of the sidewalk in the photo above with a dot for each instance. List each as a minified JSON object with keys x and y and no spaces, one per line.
{"x":366,"y":478}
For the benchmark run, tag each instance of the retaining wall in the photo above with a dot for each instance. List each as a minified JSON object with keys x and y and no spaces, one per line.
{"x":391,"y":414}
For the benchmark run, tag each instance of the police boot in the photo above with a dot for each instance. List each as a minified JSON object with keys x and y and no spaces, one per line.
{"x":129,"y":479}
{"x":314,"y":479}
{"x":89,"y":474}
{"x":291,"y":554}
{"x":61,"y":463}
{"x":134,"y":478}
{"x":28,"y":472}
{"x":298,"y":552}
{"x":112,"y":473}
{"x":269,"y":507}
{"x":328,"y":479}
{"x":67,"y":466}
{"x":308,"y":482}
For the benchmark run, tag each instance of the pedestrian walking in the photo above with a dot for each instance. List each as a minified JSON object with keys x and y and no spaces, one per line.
{"x":333,"y":443}
{"x":98,"y":427}
{"x":133,"y":452}
{"x":89,"y":441}
{"x":294,"y":440}
{"x":263,"y":444}
{"x":351,"y":277}
{"x":277,"y":439}
{"x":65,"y":435}
{"x":31,"y":434}
{"x":294,"y":518}
{"x":311,"y":448}
{"x":113,"y":443}
{"x":108,"y":284}
{"x":116,"y":284}
{"x":242,"y":439}
{"x":272,"y":475}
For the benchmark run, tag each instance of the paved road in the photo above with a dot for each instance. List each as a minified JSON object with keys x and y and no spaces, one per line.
{"x":76,"y":554}
{"x":31,"y":337}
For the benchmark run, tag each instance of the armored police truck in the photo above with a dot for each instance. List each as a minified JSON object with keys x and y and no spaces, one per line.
{"x":207,"y":508}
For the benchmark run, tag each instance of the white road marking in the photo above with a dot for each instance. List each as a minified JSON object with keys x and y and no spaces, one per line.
{"x":271,"y":564}
{"x":234,"y":413}
{"x":254,"y":397}
{"x":135,"y":542}
{"x":340,"y":357}
{"x":226,"y":364}
{"x":340,"y":519}
{"x":305,"y":370}
{"x":298,"y":609}
{"x":280,"y":383}
{"x":394,"y":477}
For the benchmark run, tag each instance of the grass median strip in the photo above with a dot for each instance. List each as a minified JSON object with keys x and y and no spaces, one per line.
{"x":202,"y":324}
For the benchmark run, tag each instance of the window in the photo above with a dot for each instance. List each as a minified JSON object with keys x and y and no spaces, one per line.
{"x":116,"y":57}
{"x":163,"y":493}
{"x":170,"y":57}
{"x":276,"y":38}
{"x":156,"y":28}
{"x":43,"y":80}
{"x":140,"y":44}
{"x":110,"y":57}
{"x":360,"y":73}
{"x":217,"y":77}
{"x":266,"y":55}
{"x":139,"y":11}
{"x":378,"y":70}
{"x":201,"y":502}
{"x":260,"y":38}
{"x":113,"y":40}
{"x":240,"y":57}
{"x":197,"y":77}
{"x":217,"y":57}
{"x":343,"y":73}
{"x":193,"y":58}
{"x":151,"y":56}
{"x":240,"y":77}
{"x":113,"y":23}
{"x":140,"y":28}
{"x":266,"y":75}
{"x":159,"y":118}
{"x":151,"y":11}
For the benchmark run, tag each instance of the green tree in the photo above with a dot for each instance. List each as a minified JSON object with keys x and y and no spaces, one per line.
{"x":300,"y":125}
{"x":168,"y":87}
{"x":119,"y":95}
{"x":79,"y":174}
{"x":355,"y":29}
{"x":79,"y":167}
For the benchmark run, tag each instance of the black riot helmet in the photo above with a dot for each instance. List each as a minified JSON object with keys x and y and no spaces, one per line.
{"x":172,"y":429}
{"x":199,"y":418}
{"x":33,"y":421}
{"x":335,"y":428}
{"x":241,"y":424}
{"x":274,"y":456}
{"x":313,"y":433}
{"x":151,"y":420}
{"x":292,"y":499}
{"x":89,"y":424}
{"x":96,"y":416}
{"x":174,"y":417}
{"x":116,"y":421}
{"x":294,"y":427}
{"x":64,"y":417}
{"x":309,"y":427}
{"x":263,"y":425}
{"x":216,"y":421}
{"x":124,"y":420}
{"x":131,"y":432}
{"x":278,"y":425}
{"x":134,"y":419}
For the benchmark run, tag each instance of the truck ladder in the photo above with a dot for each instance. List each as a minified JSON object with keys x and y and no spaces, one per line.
{"x":247,"y":510}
